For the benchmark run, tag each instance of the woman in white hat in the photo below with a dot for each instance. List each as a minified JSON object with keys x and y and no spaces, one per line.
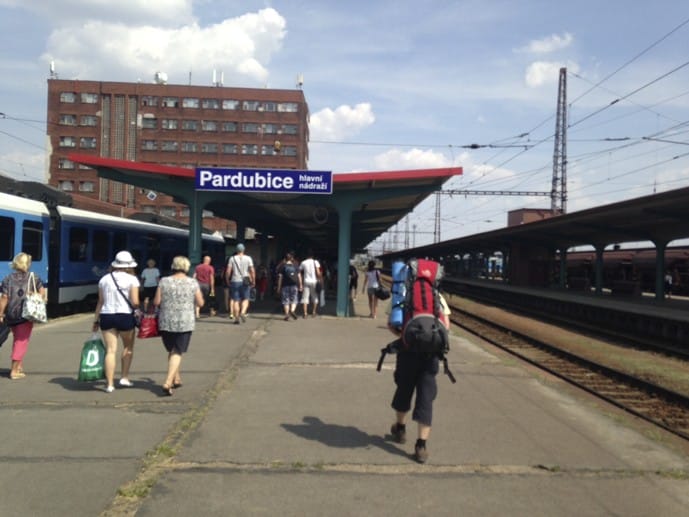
{"x":118,"y":296}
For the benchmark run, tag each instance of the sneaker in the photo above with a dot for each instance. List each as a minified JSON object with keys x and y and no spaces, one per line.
{"x":399,"y":434}
{"x":420,"y":454}
{"x":294,"y":316}
{"x":109,"y":389}
{"x":286,"y":318}
{"x":126,"y":382}
{"x":236,"y":322}
{"x":243,"y":317}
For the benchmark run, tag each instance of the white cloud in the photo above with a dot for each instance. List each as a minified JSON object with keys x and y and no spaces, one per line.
{"x":343,"y":122}
{"x":548,"y":44}
{"x":396,"y":159}
{"x":240,"y":47}
{"x":539,"y":73}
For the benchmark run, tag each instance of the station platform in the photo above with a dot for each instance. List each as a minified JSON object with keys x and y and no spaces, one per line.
{"x":291,"y":418}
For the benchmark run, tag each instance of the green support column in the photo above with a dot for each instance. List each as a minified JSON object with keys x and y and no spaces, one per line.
{"x":660,"y":270}
{"x":344,"y":252}
{"x":599,"y":268}
{"x":195,"y":228}
{"x":563,"y":268}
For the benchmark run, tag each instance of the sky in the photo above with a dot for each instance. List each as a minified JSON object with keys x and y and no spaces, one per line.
{"x":396,"y":85}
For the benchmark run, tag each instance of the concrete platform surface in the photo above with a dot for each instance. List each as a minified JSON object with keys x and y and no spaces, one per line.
{"x":291,"y":418}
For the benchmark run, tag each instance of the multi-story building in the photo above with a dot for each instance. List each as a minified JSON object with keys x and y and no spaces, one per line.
{"x":184,"y":126}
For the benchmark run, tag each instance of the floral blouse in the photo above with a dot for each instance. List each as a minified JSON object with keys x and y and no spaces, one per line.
{"x":177,"y":304}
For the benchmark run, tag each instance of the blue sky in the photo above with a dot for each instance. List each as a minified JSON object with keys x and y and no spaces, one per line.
{"x":396,"y":85}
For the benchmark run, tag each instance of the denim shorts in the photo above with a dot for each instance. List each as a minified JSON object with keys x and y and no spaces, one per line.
{"x":239,"y":291}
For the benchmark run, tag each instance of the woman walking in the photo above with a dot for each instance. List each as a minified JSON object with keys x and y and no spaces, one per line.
{"x":14,"y":288}
{"x":178,"y":298}
{"x":371,"y":283}
{"x":118,"y":296}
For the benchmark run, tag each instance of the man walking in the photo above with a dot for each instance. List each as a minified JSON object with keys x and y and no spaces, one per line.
{"x":311,"y":274}
{"x":204,"y":274}
{"x":241,"y":277}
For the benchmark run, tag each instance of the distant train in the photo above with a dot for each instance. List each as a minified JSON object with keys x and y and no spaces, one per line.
{"x":72,"y":249}
{"x":633,"y":269}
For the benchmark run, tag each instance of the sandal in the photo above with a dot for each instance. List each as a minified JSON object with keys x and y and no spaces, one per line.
{"x":167,"y":390}
{"x":177,"y":384}
{"x":18,"y":375}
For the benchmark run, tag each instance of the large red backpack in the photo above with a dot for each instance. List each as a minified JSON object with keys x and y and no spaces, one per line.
{"x":423,"y":328}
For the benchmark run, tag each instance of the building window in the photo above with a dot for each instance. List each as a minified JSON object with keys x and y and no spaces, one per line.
{"x":250,"y":105}
{"x":68,"y":141}
{"x":249,"y":149}
{"x":289,"y":150}
{"x":149,"y":100}
{"x":229,"y":127}
{"x":148,"y":209}
{"x":229,"y":148}
{"x":88,"y":120}
{"x":209,"y":148}
{"x":87,"y":142}
{"x":228,"y":104}
{"x":168,"y":145}
{"x":149,"y":123}
{"x":189,"y":147}
{"x":211,"y":104}
{"x":86,"y":186}
{"x":170,"y":102}
{"x":190,"y":103}
{"x":84,"y":167}
{"x":270,"y":129}
{"x":249,"y":127}
{"x":169,"y":123}
{"x":270,"y":106}
{"x":169,"y":211}
{"x":64,"y":163}
{"x":288,"y":107}
{"x":68,"y":97}
{"x":68,"y":120}
{"x":209,"y":125}
{"x":190,"y":125}
{"x":268,"y":150}
{"x":289,"y":129}
{"x":89,"y":98}
{"x":184,"y":212}
{"x":67,"y":186}
{"x":149,"y":145}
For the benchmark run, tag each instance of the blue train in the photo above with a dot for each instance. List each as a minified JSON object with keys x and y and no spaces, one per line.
{"x":71,"y":249}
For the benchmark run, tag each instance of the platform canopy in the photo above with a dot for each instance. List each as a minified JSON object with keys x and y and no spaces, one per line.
{"x":378,"y":200}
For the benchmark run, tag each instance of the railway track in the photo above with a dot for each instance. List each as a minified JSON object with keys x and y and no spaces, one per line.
{"x":661,"y":406}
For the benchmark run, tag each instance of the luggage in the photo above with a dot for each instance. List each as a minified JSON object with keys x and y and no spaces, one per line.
{"x":91,"y":367}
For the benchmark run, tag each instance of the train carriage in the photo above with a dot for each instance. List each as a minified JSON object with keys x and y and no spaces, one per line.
{"x":72,"y":249}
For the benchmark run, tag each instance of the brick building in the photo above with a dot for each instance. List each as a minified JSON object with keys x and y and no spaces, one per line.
{"x":178,"y":125}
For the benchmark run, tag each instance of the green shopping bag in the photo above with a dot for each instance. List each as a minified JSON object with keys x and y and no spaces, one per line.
{"x":92,"y":359}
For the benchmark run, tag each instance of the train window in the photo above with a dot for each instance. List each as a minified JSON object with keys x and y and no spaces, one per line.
{"x":6,"y":239}
{"x":32,"y":239}
{"x":78,"y":241}
{"x":101,"y":250}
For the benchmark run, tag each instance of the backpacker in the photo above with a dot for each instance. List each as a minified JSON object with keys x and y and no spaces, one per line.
{"x":422,"y":330}
{"x":289,"y":272}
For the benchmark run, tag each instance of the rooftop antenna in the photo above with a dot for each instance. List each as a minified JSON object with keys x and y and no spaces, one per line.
{"x":300,"y":81}
{"x":53,"y":73}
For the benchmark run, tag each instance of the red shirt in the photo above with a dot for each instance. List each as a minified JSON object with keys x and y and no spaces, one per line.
{"x":204,"y":273}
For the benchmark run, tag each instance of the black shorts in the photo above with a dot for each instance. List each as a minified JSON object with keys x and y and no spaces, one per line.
{"x":118,"y":321}
{"x":176,"y":342}
{"x":149,"y":292}
{"x":415,"y":372}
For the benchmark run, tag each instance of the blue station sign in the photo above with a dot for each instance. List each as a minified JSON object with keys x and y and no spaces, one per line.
{"x":276,"y":181}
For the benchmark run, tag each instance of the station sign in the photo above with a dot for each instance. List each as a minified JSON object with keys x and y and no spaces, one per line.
{"x":274,"y":181}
